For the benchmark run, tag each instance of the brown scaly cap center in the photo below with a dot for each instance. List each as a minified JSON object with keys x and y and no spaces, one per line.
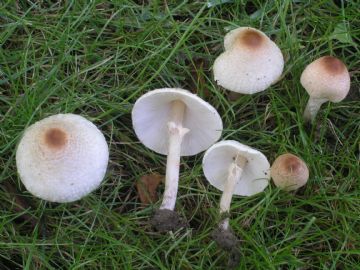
{"x":292,"y":164}
{"x":332,"y":65}
{"x":251,"y":39}
{"x":55,"y":138}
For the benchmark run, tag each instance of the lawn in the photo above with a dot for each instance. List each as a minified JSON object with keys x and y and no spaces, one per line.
{"x":95,"y":58}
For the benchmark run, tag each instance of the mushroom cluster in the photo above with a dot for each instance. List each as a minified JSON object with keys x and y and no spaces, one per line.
{"x":64,"y":157}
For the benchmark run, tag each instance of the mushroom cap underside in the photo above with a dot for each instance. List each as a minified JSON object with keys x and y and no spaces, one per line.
{"x":151,"y":114}
{"x":218,"y":158}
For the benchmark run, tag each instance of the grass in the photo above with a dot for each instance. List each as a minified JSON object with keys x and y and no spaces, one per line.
{"x":96,"y":58}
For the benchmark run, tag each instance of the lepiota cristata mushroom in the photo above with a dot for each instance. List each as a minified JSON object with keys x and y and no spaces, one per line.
{"x":251,"y":62}
{"x":62,"y":158}
{"x":289,"y":172}
{"x":174,"y":122}
{"x":325,"y":79}
{"x":234,"y":168}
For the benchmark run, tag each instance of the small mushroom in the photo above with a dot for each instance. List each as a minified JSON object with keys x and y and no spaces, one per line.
{"x":289,"y":172}
{"x":234,"y":168}
{"x":62,"y":158}
{"x":174,"y":122}
{"x":251,"y":62}
{"x":325,"y":79}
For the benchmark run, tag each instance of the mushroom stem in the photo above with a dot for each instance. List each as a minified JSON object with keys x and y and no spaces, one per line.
{"x":234,"y":176}
{"x":176,"y":135}
{"x":312,"y":108}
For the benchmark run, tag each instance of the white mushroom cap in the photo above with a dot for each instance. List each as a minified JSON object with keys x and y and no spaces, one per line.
{"x":256,"y":172}
{"x":326,"y":78}
{"x":62,"y":158}
{"x":251,"y":62}
{"x":151,"y":113}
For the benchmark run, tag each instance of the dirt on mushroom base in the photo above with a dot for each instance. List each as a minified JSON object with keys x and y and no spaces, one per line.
{"x":165,"y":220}
{"x":225,"y":238}
{"x":227,"y":241}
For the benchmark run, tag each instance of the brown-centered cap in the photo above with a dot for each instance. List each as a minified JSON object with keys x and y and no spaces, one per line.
{"x":62,"y":158}
{"x":326,"y":78}
{"x":289,"y":172}
{"x":251,"y":61}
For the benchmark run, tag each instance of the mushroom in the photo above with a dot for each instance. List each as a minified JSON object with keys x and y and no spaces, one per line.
{"x":251,"y":62}
{"x":234,"y":168}
{"x":325,"y":79}
{"x":62,"y":158}
{"x":289,"y":172}
{"x":174,"y":122}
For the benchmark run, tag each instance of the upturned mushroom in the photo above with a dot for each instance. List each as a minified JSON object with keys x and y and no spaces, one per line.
{"x":251,"y":62}
{"x":62,"y":158}
{"x":174,"y":122}
{"x":325,"y":79}
{"x":289,"y":172}
{"x":234,"y":168}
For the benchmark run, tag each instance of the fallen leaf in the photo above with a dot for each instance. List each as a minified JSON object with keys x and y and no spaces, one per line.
{"x":342,"y":34}
{"x":146,"y":187}
{"x":257,"y":14}
{"x":213,"y":3}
